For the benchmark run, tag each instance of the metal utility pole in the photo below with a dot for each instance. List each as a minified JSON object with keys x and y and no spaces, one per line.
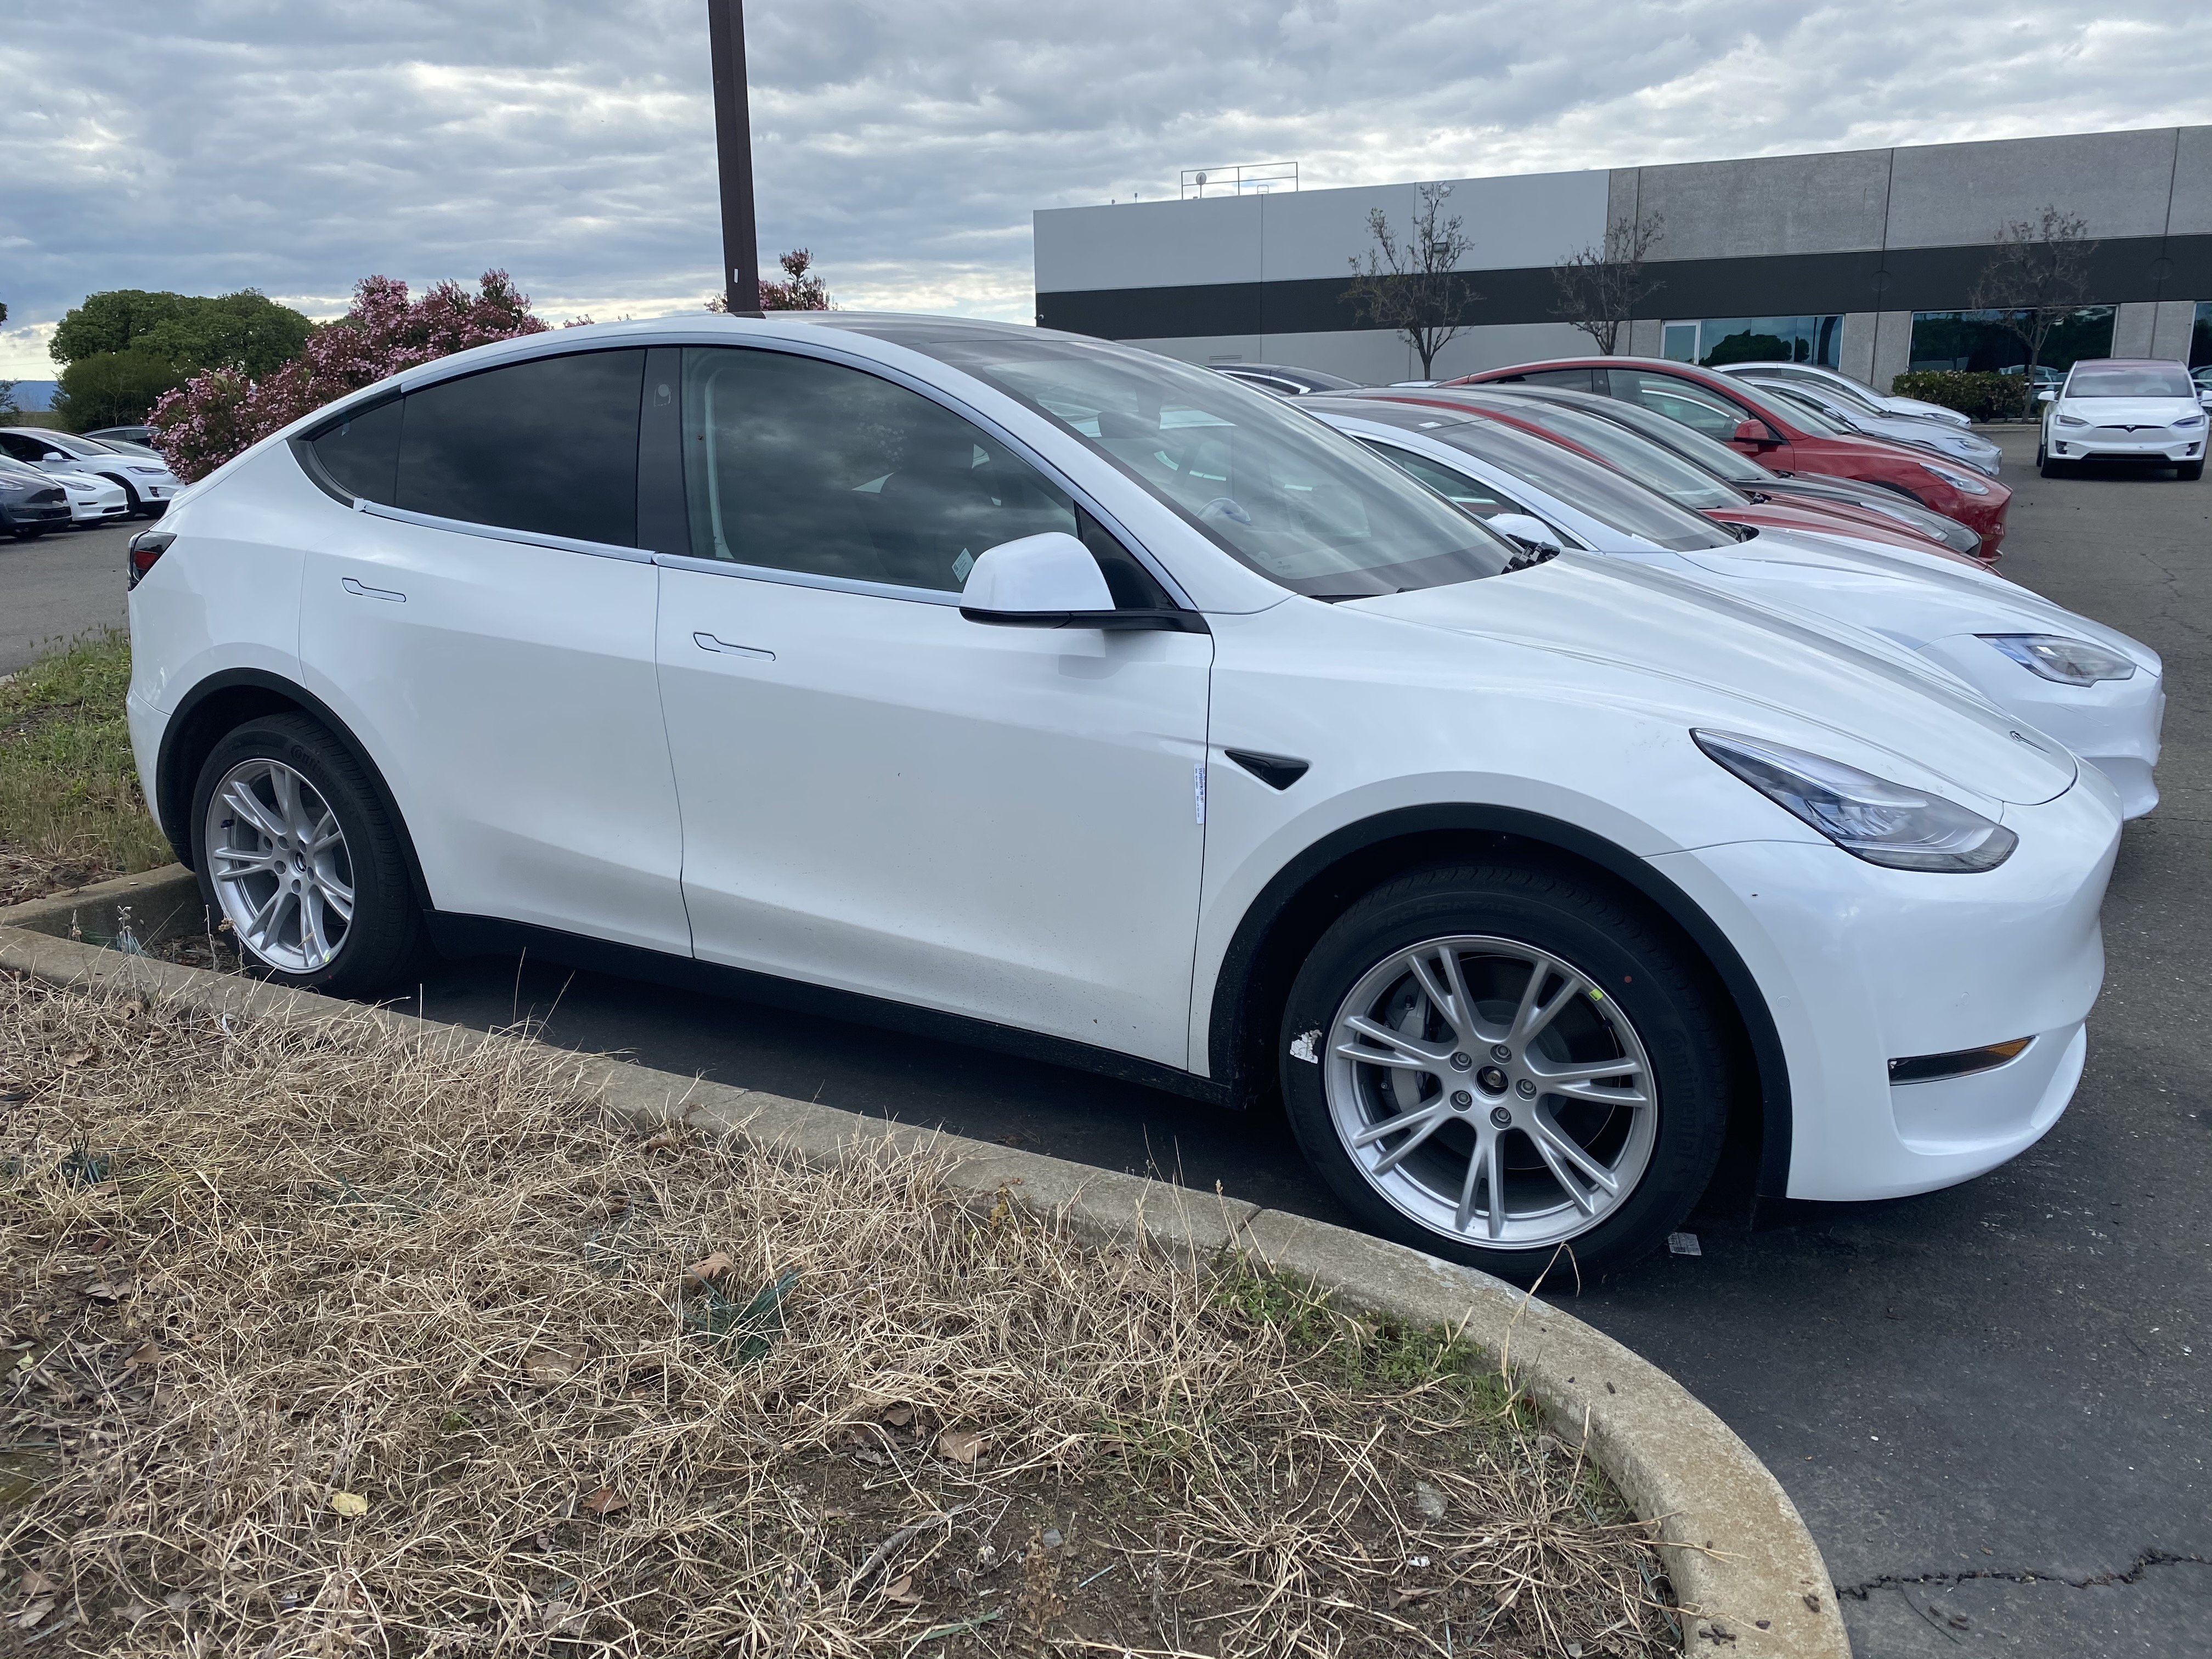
{"x":733,"y":149}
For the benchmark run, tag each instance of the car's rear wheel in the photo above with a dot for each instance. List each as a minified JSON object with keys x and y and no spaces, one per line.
{"x":296,"y":855}
{"x":1503,"y":1065}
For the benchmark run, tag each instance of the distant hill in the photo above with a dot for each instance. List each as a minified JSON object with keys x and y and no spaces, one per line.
{"x":35,"y":394}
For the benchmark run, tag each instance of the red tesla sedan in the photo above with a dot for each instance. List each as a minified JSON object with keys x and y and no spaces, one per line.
{"x":1778,"y":435}
{"x":1658,"y":469}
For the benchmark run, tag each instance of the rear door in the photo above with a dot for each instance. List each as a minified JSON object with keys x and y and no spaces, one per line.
{"x":484,"y":625}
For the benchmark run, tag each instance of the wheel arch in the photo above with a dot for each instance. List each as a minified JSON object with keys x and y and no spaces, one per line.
{"x":221,"y":704}
{"x":1294,"y":908}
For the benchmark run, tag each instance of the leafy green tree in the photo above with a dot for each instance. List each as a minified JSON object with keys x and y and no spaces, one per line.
{"x":245,"y":331}
{"x":115,"y":388}
{"x":123,"y":349}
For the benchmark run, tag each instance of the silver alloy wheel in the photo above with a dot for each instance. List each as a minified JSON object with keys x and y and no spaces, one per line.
{"x":282,"y":871}
{"x":1491,"y":1092}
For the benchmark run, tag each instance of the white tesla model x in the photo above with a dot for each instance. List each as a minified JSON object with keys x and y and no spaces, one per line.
{"x":1046,"y":691}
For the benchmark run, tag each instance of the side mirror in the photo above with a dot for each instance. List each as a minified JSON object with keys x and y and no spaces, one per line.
{"x":53,"y":455}
{"x":1529,"y":531}
{"x":1753,"y":432}
{"x":1052,"y":581}
{"x":2046,"y":396}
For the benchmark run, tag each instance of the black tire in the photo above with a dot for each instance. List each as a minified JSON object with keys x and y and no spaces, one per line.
{"x":2189,"y":471}
{"x":2044,"y":466}
{"x":1672,"y":1002}
{"x":28,"y":533}
{"x":386,"y":934}
{"x":132,"y":506}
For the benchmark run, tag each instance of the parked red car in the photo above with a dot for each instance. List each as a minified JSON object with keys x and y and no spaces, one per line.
{"x":1677,"y":479}
{"x":1791,"y":437}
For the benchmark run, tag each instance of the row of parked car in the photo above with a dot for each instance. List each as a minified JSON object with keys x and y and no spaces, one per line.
{"x":1531,"y":783}
{"x":54,"y":480}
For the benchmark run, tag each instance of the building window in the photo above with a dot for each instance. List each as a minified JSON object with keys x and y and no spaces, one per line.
{"x":2200,"y":337}
{"x":1979,"y":340}
{"x":1712,"y":341}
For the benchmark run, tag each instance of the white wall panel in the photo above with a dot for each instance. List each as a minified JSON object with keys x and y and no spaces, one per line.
{"x":2192,"y":186}
{"x":1775,"y":205}
{"x":1149,"y":245}
{"x":2170,"y":333}
{"x":1945,"y":195}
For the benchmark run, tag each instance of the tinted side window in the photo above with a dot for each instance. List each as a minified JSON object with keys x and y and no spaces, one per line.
{"x":797,"y":464}
{"x":1574,"y":379}
{"x":23,"y":449}
{"x":362,"y":452}
{"x":549,"y":444}
{"x":1678,"y":400}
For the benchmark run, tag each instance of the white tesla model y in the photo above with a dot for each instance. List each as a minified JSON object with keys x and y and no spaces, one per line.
{"x":1081,"y":702}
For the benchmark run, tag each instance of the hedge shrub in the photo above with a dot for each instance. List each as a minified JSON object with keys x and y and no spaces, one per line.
{"x":1979,"y":397}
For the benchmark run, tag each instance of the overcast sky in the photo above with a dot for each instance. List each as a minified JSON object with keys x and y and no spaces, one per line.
{"x":296,"y":145}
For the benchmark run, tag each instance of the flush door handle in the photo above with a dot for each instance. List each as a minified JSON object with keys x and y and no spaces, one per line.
{"x":361,"y":591}
{"x":708,"y":642}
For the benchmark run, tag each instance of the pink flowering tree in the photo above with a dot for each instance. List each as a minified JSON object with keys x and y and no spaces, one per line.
{"x":801,"y":289}
{"x":220,"y":414}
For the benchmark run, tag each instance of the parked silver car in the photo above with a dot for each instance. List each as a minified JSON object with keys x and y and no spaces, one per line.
{"x":1863,"y":416}
{"x":1842,"y":385}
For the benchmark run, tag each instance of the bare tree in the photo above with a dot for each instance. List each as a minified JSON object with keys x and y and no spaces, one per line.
{"x":1413,"y":286}
{"x":1599,"y":287}
{"x":2037,"y":276}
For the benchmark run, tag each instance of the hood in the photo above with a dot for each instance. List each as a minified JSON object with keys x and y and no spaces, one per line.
{"x":1836,"y":518}
{"x":1710,"y":657}
{"x":2129,"y":411}
{"x":1907,"y":596}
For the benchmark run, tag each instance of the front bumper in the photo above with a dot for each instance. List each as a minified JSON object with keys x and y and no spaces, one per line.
{"x":2117,"y":443}
{"x":2117,"y":725}
{"x":91,"y":511}
{"x":1861,"y":965}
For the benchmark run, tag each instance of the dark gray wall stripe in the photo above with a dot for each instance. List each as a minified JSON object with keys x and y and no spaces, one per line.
{"x":2121,"y":270}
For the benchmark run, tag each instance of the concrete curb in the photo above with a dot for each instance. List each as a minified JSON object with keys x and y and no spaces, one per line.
{"x":1733,"y":1543}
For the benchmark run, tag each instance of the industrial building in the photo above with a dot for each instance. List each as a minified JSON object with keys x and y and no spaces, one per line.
{"x":1864,"y":260}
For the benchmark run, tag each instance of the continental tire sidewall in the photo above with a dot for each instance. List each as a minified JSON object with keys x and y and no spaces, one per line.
{"x":1669,"y":997}
{"x":385,"y":933}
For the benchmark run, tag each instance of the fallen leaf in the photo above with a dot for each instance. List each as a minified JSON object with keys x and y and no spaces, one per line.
{"x":902,"y":1591}
{"x":699,"y":1271}
{"x":147,"y":1353}
{"x":899,"y":1416}
{"x":1399,"y":1599}
{"x":138,"y":1611}
{"x":959,"y":1446}
{"x":560,"y":1617}
{"x":606,"y":1501}
{"x":833,"y":1513}
{"x":35,"y":1583}
{"x":79,"y":1057}
{"x":874,"y":1460}
{"x":181,"y":1601}
{"x":547,"y":1366}
{"x":661,"y":1139}
{"x":348,"y":1503}
{"x":104,"y":1292}
{"x":31,"y":1615}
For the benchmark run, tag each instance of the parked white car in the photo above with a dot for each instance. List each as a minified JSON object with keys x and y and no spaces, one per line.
{"x":1841,"y":385}
{"x":1941,"y":437}
{"x":147,"y":484}
{"x":2123,"y":409}
{"x":1034,"y":689}
{"x":2091,"y":687}
{"x":90,"y":498}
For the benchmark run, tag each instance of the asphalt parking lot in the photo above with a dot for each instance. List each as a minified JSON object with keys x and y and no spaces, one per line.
{"x":1990,"y":1403}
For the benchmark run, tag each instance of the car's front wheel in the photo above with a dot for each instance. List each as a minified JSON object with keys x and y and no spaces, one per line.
{"x":1501,"y":1065}
{"x":2044,"y":466}
{"x":297,"y":856}
{"x":2189,"y":471}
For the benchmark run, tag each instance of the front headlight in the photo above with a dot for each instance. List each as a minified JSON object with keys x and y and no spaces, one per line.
{"x":149,"y":468}
{"x":1964,"y":482}
{"x":1883,"y":822}
{"x":2070,"y":662}
{"x":2190,"y":420}
{"x":2071,"y":419}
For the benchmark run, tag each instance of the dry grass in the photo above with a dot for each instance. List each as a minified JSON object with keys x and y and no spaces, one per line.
{"x":259,"y":1279}
{"x":71,"y":810}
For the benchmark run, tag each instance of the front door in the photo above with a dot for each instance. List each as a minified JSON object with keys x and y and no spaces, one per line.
{"x":1696,"y":406}
{"x":881,"y":796}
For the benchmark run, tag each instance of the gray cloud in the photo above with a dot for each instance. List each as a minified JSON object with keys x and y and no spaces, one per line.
{"x":294,"y":147}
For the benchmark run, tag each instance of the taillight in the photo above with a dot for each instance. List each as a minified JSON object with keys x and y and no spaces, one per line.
{"x":146,"y":547}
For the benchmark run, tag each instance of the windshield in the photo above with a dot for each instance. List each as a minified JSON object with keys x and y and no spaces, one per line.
{"x":1714,"y":456}
{"x":1841,"y":391}
{"x":1270,"y":486}
{"x":2130,"y":380}
{"x":1655,"y":468}
{"x":1618,"y":503}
